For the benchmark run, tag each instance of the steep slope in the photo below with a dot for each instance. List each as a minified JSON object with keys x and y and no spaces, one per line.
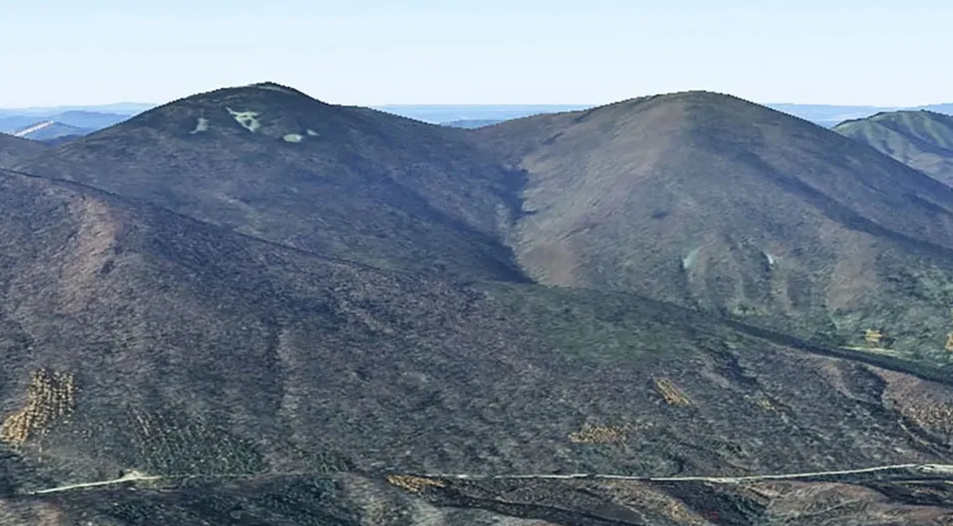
{"x":142,"y":342}
{"x":920,"y":139}
{"x":271,"y":162}
{"x":13,"y":149}
{"x":710,"y":201}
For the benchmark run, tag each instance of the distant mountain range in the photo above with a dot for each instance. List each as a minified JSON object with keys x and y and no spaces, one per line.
{"x":92,"y":118}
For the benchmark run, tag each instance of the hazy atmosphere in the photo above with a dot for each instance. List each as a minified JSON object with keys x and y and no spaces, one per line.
{"x":480,"y":52}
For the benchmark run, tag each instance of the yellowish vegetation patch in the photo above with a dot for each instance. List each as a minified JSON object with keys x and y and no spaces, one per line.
{"x":939,"y":416}
{"x":414,"y":484}
{"x":51,"y":396}
{"x":873,"y":336}
{"x":671,"y":394}
{"x":247,"y":119}
{"x":763,"y":402}
{"x":590,"y":434}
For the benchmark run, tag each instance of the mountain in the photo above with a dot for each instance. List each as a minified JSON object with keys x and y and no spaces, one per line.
{"x":713,"y":202}
{"x":229,"y":380}
{"x":50,"y":130}
{"x":685,"y":198}
{"x":252,"y":307}
{"x":348,"y":182}
{"x":920,"y":139}
{"x":87,"y":120}
{"x":13,"y":149}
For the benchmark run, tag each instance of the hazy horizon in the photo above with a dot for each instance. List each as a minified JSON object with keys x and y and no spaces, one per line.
{"x":106,"y":105}
{"x":372,"y":53}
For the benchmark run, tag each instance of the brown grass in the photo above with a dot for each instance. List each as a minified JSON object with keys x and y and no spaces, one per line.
{"x":590,"y":434}
{"x":414,"y":484}
{"x":50,"y":397}
{"x":670,"y":393}
{"x":873,"y":336}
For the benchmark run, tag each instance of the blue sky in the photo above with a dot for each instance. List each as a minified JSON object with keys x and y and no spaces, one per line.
{"x":878,"y":52}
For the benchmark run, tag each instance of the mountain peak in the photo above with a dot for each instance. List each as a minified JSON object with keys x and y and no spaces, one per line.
{"x":265,"y":109}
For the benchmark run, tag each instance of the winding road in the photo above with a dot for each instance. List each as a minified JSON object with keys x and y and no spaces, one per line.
{"x":895,"y":472}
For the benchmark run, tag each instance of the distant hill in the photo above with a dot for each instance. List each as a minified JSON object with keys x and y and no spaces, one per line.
{"x":13,"y":149}
{"x":827,"y":115}
{"x":946,"y":109}
{"x":119,"y":108}
{"x":716,"y":203}
{"x":50,"y":130}
{"x":472,"y":123}
{"x":440,"y":113}
{"x":920,"y":139}
{"x":86,"y":120}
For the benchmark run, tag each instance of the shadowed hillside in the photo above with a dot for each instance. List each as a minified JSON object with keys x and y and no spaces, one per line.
{"x":920,"y":139}
{"x":140,"y":341}
{"x":268,"y":161}
{"x":709,"y":201}
{"x":13,"y":149}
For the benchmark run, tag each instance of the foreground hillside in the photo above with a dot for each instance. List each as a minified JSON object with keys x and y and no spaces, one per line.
{"x":920,"y":139}
{"x":902,"y":495}
{"x":141,"y":342}
{"x":712,"y":202}
{"x":14,"y":149}
{"x":271,"y":162}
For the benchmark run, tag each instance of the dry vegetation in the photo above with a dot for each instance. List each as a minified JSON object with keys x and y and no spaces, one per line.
{"x":414,"y":484}
{"x":670,"y":393}
{"x":51,"y":397}
{"x":591,"y":434}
